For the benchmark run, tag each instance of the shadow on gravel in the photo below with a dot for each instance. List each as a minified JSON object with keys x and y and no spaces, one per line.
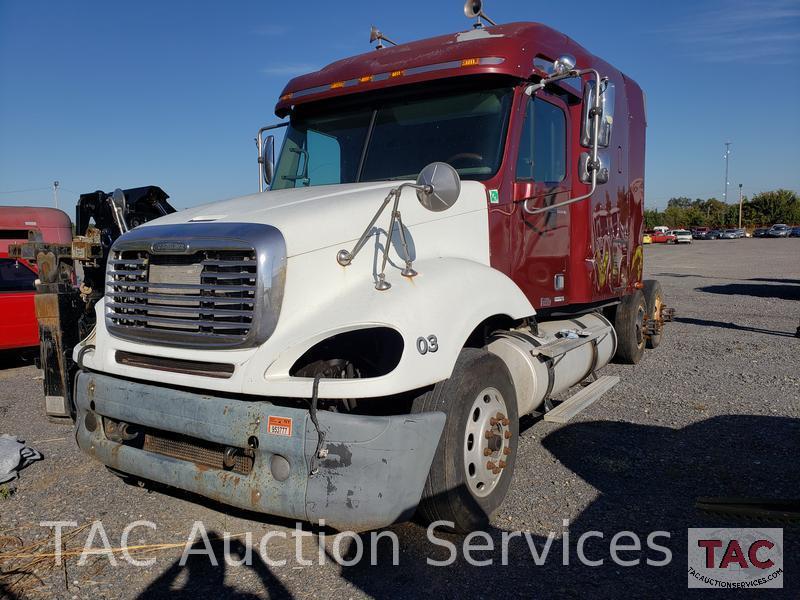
{"x":729,"y":325}
{"x":203,"y":580}
{"x":762,"y":279}
{"x":774,"y":280}
{"x":6,"y":593}
{"x":779,"y":291}
{"x":19,"y":357}
{"x":648,"y":479}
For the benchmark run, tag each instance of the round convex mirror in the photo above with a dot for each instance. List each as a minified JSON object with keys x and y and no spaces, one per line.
{"x":442,"y":186}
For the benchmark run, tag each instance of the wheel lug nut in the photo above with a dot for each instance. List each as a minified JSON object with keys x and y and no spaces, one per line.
{"x":504,"y":422}
{"x":506,"y":451}
{"x":489,"y":434}
{"x":493,"y":421}
{"x":496,"y":471}
{"x":502,"y":464}
{"x":487,"y":451}
{"x":508,"y":435}
{"x":490,"y":465}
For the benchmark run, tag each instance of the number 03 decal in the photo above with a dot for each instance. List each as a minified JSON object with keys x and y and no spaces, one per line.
{"x":427,"y":344}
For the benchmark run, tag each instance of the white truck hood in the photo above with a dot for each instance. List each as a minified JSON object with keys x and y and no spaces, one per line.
{"x":317,"y":217}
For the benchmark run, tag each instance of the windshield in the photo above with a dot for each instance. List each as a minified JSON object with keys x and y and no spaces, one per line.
{"x":396,"y":139}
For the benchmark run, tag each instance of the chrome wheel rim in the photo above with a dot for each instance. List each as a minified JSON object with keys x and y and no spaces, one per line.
{"x":487,"y":442}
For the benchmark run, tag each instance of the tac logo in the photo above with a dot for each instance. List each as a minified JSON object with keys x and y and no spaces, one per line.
{"x":735,"y":558}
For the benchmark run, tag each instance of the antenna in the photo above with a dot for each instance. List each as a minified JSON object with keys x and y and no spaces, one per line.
{"x":474,"y":9}
{"x":375,"y":35}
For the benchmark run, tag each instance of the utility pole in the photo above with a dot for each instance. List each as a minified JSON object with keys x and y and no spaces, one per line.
{"x":55,"y":192}
{"x":740,"y":206}
{"x":727,"y":154}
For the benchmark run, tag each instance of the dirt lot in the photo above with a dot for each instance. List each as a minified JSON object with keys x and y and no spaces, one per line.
{"x":715,"y":411}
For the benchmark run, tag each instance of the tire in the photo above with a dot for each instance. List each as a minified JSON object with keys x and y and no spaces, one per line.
{"x":654,"y":299}
{"x":629,"y":325}
{"x":453,"y":489}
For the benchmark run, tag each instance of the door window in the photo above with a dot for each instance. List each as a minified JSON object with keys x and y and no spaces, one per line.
{"x":543,"y":145}
{"x":15,"y":277}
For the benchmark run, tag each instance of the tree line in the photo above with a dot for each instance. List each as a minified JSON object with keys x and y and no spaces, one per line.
{"x":762,"y":210}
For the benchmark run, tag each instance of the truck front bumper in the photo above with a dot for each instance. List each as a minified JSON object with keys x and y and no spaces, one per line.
{"x":369,"y":474}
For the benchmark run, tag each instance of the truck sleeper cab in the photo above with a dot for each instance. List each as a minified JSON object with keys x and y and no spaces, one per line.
{"x":273,"y":353}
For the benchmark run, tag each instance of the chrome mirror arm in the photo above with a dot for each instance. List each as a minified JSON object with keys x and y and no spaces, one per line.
{"x":260,"y":150}
{"x":345,"y":257}
{"x":596,"y":113}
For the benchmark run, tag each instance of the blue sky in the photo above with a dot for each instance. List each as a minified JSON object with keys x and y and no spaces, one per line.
{"x":102,"y":95}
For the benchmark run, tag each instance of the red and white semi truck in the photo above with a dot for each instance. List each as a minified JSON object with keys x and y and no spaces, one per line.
{"x":451,"y":237}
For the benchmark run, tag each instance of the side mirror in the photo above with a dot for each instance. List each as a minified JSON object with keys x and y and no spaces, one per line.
{"x":606,"y":117}
{"x":268,"y":158}
{"x":438,"y":186}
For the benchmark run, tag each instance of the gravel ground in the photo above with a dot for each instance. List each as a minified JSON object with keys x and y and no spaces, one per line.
{"x":715,"y":411}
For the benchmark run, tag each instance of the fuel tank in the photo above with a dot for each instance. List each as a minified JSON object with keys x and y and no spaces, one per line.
{"x":558,"y":356}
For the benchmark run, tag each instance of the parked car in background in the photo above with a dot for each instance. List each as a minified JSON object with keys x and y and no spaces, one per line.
{"x":18,"y":325}
{"x":714,"y":234}
{"x":729,"y":234}
{"x":699,"y":233}
{"x":682,"y":236}
{"x":779,"y":230}
{"x":795,"y":232}
{"x":760,"y":232}
{"x":646,"y":239}
{"x":662,"y":237}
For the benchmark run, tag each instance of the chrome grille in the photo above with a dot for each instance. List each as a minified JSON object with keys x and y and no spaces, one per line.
{"x":196,"y":285}
{"x":210,"y":294}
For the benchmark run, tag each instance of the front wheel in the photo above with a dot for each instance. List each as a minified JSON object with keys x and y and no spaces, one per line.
{"x":473,"y":465}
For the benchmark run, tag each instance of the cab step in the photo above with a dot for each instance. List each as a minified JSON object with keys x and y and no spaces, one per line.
{"x":581,"y":399}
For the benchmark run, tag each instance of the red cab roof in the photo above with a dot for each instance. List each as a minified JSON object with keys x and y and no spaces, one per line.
{"x":507,"y":49}
{"x":15,"y":221}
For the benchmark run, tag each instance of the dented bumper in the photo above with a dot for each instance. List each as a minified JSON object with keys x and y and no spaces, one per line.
{"x":371,"y":474}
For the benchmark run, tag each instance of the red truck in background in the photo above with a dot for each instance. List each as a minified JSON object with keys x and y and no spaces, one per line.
{"x":18,"y":325}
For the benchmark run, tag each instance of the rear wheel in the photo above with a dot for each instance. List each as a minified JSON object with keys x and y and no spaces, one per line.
{"x":629,"y":323}
{"x":654,"y":299}
{"x":473,"y":465}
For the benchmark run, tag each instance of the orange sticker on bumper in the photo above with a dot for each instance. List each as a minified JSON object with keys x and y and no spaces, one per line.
{"x":279,"y":426}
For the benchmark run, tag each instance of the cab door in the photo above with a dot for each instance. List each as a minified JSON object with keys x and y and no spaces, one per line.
{"x":541,"y":179}
{"x":18,"y":325}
